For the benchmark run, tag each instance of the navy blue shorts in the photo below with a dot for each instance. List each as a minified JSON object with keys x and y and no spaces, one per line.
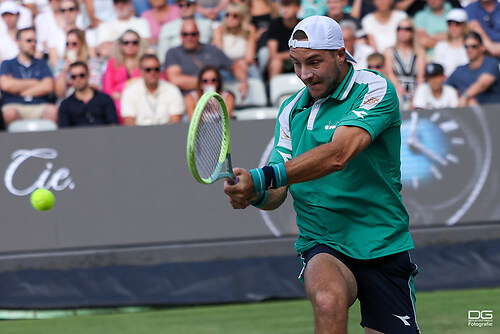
{"x":385,"y":289}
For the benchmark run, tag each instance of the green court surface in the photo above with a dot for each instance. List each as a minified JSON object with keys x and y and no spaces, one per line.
{"x":438,"y":312}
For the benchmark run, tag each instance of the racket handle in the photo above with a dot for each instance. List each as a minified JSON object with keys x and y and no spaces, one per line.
{"x":233,"y":181}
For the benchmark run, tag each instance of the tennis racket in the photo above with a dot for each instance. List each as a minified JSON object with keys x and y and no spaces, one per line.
{"x":208,"y":150}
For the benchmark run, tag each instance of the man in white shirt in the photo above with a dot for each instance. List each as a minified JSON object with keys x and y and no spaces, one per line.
{"x":150,"y":100}
{"x":9,"y":10}
{"x":109,"y":32}
{"x":434,"y":94}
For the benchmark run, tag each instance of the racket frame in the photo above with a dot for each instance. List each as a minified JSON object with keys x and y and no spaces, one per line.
{"x":225,"y":154}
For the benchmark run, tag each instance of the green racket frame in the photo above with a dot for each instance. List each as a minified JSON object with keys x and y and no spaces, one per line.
{"x":224,"y":156}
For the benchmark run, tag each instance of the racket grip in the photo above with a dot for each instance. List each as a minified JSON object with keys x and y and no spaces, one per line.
{"x":233,"y":181}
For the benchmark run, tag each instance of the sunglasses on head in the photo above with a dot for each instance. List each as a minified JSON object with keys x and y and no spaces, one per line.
{"x":152,"y":69}
{"x":405,"y":28}
{"x":74,"y":76}
{"x":69,"y":10}
{"x":136,"y":42}
{"x":213,"y":80}
{"x":192,"y":34}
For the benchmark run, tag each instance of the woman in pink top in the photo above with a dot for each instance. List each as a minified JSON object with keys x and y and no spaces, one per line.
{"x":123,"y":66}
{"x":159,"y":14}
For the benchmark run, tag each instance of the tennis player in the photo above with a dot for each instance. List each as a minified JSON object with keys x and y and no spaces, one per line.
{"x":337,"y":149}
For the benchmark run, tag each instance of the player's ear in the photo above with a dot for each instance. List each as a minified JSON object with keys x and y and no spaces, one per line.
{"x":340,"y":55}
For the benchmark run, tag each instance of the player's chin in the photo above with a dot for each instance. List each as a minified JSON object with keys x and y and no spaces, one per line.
{"x":317,"y":91}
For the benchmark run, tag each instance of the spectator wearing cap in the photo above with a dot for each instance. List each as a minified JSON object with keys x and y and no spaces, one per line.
{"x":431,"y":24}
{"x":184,"y":62}
{"x":170,"y":33}
{"x":434,"y":93}
{"x":25,"y":19}
{"x":109,"y":32}
{"x":26,"y":83}
{"x":86,"y":106}
{"x":9,"y":10}
{"x":484,"y":18}
{"x":477,"y":82}
{"x":450,"y":52}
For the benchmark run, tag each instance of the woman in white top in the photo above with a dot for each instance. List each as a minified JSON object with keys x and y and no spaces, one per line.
{"x":381,"y":25}
{"x":209,"y":80}
{"x":451,"y":53}
{"x":236,"y":37}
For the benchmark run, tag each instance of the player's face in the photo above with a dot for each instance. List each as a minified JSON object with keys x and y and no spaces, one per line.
{"x":318,"y":69}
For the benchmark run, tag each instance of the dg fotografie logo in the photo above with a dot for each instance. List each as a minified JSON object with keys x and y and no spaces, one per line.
{"x":477,"y":318}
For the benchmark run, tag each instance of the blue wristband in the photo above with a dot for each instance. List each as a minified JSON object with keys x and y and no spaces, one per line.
{"x":269,"y":177}
{"x":261,"y":200}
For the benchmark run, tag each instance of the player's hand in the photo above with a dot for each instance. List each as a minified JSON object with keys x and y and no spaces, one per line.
{"x":240,"y":194}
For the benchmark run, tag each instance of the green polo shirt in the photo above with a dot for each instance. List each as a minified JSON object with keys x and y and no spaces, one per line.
{"x":358,"y":210}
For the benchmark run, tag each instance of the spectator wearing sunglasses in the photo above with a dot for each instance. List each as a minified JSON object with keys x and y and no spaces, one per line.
{"x":109,"y":32}
{"x":150,"y":100}
{"x":86,"y":106}
{"x":170,"y":33}
{"x":484,"y":18}
{"x":123,"y":66}
{"x":477,"y":82}
{"x":26,"y":83}
{"x":77,"y":50}
{"x":209,"y":80}
{"x":69,"y":11}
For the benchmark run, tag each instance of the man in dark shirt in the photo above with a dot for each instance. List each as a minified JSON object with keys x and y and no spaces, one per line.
{"x":278,"y":34}
{"x":86,"y":106}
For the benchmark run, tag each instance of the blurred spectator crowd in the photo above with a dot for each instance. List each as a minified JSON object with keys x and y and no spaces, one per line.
{"x":147,"y":62}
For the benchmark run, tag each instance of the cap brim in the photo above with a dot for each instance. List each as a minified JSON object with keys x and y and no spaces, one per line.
{"x":349,"y":57}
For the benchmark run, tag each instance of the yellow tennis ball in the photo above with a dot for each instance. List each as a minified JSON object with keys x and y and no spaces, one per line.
{"x":42,"y":199}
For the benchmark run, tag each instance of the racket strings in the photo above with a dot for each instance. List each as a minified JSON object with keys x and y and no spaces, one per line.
{"x":209,"y":139}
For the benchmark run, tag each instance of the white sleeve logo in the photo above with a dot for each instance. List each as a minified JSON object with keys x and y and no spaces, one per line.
{"x":360,"y":113}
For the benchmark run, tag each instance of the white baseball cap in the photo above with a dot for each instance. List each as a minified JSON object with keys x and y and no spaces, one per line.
{"x":323,"y":33}
{"x":9,"y":7}
{"x":457,"y":15}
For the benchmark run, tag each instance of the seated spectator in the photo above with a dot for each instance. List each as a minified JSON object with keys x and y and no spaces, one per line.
{"x":25,"y":16}
{"x":150,"y":100}
{"x":434,"y":94}
{"x":431,"y":24}
{"x":451,"y":53}
{"x":209,"y":80}
{"x":44,"y":23}
{"x":236,"y":37}
{"x":170,"y":34}
{"x":484,"y":18}
{"x":477,"y":82}
{"x":123,"y":66}
{"x":279,"y":33}
{"x":183,"y":63}
{"x":381,"y":25}
{"x":336,"y":11}
{"x":57,"y":41}
{"x":86,"y":106}
{"x":159,"y":14}
{"x":26,"y":83}
{"x":376,"y":62}
{"x":9,"y":10}
{"x":109,"y":32}
{"x":262,"y":13}
{"x":405,"y":63}
{"x":76,"y":50}
{"x":359,"y":51}
{"x":312,"y":7}
{"x":211,"y":9}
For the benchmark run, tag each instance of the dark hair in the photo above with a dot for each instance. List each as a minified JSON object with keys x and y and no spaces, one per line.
{"x":473,"y":35}
{"x":79,"y":63}
{"x":20,"y":32}
{"x":299,"y":35}
{"x":147,"y":56}
{"x":290,"y":2}
{"x":205,"y":69}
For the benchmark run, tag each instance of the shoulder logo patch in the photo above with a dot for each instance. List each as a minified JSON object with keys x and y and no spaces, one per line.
{"x":371,"y":100}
